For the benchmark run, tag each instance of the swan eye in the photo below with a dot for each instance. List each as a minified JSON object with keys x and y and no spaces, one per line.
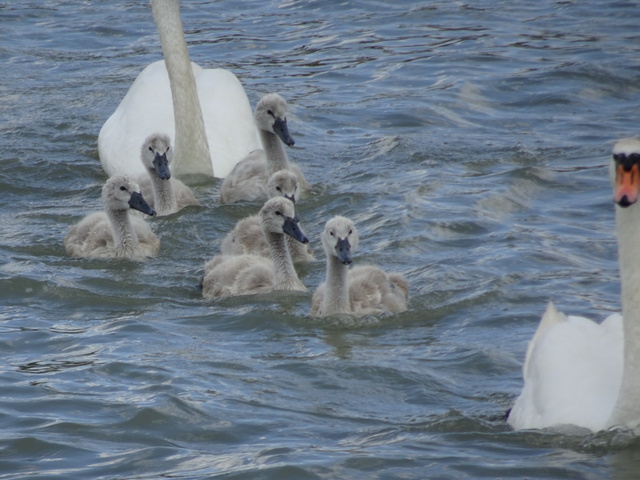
{"x":123,"y":188}
{"x":278,"y":213}
{"x":150,"y":148}
{"x":270,"y":113}
{"x":278,"y":189}
{"x":350,"y":232}
{"x":332,"y":234}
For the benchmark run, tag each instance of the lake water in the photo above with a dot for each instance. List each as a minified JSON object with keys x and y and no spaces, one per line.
{"x":469,"y":142}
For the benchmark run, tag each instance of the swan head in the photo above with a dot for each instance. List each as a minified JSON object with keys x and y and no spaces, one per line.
{"x":271,"y":116}
{"x":340,"y":239}
{"x":156,"y":155}
{"x":278,"y":216}
{"x":624,"y":171}
{"x":120,"y":192}
{"x":283,"y":183}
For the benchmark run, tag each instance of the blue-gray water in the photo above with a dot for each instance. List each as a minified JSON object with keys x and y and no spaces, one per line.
{"x":468,"y":140}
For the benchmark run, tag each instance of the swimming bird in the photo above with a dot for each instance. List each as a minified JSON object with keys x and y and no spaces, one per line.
{"x":582,"y":373}
{"x":231,"y":275}
{"x":361,"y":290}
{"x":283,"y":183}
{"x":113,"y":233}
{"x":205,"y":112}
{"x":247,"y":235}
{"x":248,"y":180}
{"x":165,"y":194}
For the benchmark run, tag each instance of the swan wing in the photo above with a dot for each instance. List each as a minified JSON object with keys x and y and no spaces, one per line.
{"x":147,"y":108}
{"x":317,"y":301}
{"x":184,"y":194}
{"x":90,"y":238}
{"x":246,"y":237}
{"x":371,"y":291}
{"x":228,"y":119}
{"x":572,"y":373}
{"x":148,"y":242}
{"x":300,"y":252}
{"x":247,"y":181}
{"x":228,"y":275}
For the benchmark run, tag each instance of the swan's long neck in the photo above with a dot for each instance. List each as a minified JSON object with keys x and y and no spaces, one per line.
{"x":274,"y":151}
{"x":285,"y":274}
{"x":627,"y":409}
{"x":336,"y":299}
{"x":191,"y":146}
{"x":165,"y":201}
{"x":125,"y":239}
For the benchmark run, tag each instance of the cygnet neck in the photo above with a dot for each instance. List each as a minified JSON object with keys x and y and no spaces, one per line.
{"x":125,"y":239}
{"x":336,"y":298}
{"x":275,"y":152}
{"x":164,"y":198}
{"x":286,"y":277}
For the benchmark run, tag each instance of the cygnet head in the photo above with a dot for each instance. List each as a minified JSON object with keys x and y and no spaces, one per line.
{"x":624,"y":171}
{"x":271,"y":116}
{"x":278,"y":216}
{"x":156,"y":155}
{"x":340,"y":239}
{"x":283,"y":183}
{"x":120,"y":192}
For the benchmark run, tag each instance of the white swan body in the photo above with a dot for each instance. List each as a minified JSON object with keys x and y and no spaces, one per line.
{"x":247,"y":236}
{"x":248,"y":180}
{"x":572,"y":371}
{"x":233,"y":275}
{"x":361,"y":290}
{"x":581,"y":373}
{"x":114,"y":233}
{"x":206,"y":113}
{"x":165,"y":194}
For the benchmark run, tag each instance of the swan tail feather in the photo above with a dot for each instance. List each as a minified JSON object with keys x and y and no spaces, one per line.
{"x":550,"y":318}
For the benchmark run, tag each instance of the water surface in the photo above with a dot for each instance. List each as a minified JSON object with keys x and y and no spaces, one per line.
{"x":468,"y":141}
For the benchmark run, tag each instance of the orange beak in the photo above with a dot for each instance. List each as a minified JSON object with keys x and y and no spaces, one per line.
{"x":627,"y":186}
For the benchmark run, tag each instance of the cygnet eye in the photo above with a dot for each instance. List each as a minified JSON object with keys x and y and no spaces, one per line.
{"x":270,"y":113}
{"x":278,"y":213}
{"x":279,"y":189}
{"x":123,"y":188}
{"x":150,"y":148}
{"x":350,"y":232}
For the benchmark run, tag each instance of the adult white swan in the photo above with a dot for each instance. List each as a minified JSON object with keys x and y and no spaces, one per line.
{"x":579,"y":372}
{"x":206,"y":113}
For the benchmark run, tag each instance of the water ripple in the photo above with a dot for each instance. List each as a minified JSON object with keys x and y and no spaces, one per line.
{"x":467,"y":141}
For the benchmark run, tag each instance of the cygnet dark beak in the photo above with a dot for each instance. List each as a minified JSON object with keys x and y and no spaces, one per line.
{"x":292,"y":229}
{"x":343,"y":250}
{"x":137,"y":202}
{"x":161,"y":166}
{"x":280,"y":128}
